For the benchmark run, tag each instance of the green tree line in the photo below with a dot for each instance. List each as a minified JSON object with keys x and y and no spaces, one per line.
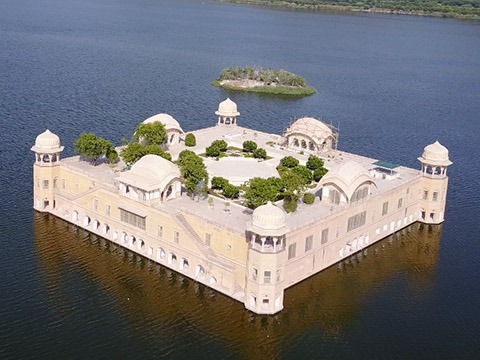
{"x":266,"y":75}
{"x":468,"y":9}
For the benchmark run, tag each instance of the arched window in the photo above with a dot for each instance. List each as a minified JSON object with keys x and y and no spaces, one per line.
{"x":334,"y":196}
{"x":359,"y":194}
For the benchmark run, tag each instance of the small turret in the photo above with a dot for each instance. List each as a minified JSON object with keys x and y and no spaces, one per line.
{"x":435,"y":162}
{"x":266,"y":260}
{"x":47,"y":150}
{"x":227,"y":113}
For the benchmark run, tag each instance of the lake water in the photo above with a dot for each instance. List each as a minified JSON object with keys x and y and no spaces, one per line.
{"x":392,"y":84}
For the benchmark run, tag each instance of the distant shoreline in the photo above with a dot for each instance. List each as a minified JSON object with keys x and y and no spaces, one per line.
{"x":452,"y":13}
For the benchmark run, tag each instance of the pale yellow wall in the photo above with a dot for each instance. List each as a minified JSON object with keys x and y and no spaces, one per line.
{"x":223,"y":242}
{"x":81,"y":193}
{"x":321,"y":256}
{"x":40,"y":193}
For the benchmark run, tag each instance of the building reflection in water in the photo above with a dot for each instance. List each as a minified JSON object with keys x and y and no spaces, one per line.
{"x":149,"y":295}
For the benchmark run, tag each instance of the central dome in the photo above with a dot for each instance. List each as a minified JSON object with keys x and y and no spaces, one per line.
{"x":227,"y":108}
{"x":268,"y":217}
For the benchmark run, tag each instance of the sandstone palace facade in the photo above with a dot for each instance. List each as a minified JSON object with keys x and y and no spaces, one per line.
{"x":252,"y":256}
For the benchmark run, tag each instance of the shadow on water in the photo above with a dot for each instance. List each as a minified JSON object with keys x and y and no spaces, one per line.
{"x":158,"y":303}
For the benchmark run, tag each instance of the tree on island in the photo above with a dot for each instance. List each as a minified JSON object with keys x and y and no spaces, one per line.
{"x":263,"y":80}
{"x":93,"y":148}
{"x":265,"y":75}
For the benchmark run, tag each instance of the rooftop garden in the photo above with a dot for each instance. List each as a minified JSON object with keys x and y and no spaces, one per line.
{"x":290,"y":186}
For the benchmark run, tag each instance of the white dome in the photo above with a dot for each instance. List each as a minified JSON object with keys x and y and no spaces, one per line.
{"x":167,"y":120}
{"x":435,"y":154}
{"x":268,"y":217}
{"x":312,"y":128}
{"x":227,"y":108}
{"x":348,"y":177}
{"x":47,"y":140}
{"x":350,"y":171}
{"x":151,"y":172}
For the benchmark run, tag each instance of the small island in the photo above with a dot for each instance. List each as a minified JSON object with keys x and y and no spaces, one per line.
{"x":261,"y":80}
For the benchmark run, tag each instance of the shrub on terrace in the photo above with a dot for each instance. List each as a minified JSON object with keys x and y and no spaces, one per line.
{"x":308,"y":198}
{"x":289,"y":162}
{"x":190,"y":140}
{"x":216,"y":148}
{"x":260,"y":154}
{"x":219,"y":182}
{"x":249,"y":146}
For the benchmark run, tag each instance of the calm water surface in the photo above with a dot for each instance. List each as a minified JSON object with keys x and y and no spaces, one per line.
{"x":392,"y":84}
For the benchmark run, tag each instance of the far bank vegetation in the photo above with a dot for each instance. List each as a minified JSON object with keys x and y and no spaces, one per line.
{"x":461,"y":9}
{"x":263,"y":80}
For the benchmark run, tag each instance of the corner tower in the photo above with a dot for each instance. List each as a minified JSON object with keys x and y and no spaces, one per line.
{"x":227,"y":113}
{"x":46,"y":170}
{"x":434,"y":183}
{"x":266,"y":260}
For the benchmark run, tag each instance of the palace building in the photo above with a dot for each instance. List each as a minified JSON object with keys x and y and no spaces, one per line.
{"x":252,"y":256}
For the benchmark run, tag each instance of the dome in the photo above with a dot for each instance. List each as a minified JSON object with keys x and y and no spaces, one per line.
{"x":268,"y":217}
{"x":227,"y":108}
{"x":310,"y":127}
{"x":167,"y":120}
{"x":151,"y":172}
{"x":317,"y":134}
{"x":47,"y":142}
{"x":348,"y":177}
{"x":435,"y":154}
{"x":350,"y":171}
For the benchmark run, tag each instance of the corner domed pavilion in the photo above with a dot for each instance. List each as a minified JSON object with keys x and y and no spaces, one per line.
{"x":311,"y":135}
{"x":268,"y":228}
{"x":174,"y":131}
{"x":435,"y":159}
{"x":47,"y":148}
{"x":227,"y":113}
